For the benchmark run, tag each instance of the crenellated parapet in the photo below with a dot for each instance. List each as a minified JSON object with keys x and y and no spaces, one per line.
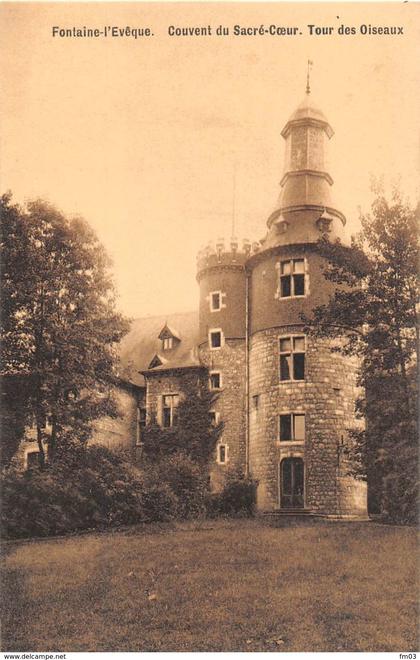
{"x":222,"y":253}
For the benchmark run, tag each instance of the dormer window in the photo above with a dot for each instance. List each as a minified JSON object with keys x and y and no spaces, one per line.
{"x":169,"y":338}
{"x":324,"y":223}
{"x":168,"y":343}
{"x":157,"y":361}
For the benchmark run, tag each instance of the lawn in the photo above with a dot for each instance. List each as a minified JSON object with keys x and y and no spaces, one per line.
{"x":245,"y":585}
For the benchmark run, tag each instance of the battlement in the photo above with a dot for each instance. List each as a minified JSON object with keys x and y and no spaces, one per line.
{"x":225,"y":253}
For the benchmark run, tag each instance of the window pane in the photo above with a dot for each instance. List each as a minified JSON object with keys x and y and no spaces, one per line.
{"x":216,"y":339}
{"x":215,"y":300}
{"x":299,"y":366}
{"x":285,"y":286}
{"x":286,"y":476}
{"x":222,"y":453}
{"x":285,"y":268}
{"x":299,"y":266}
{"x":299,"y":424}
{"x":299,"y":285}
{"x":215,"y":381}
{"x":142,"y":417}
{"x":285,"y":427}
{"x":298,"y":477}
{"x":298,"y":344}
{"x":166,"y":417}
{"x":285,"y":367}
{"x":285,"y":344}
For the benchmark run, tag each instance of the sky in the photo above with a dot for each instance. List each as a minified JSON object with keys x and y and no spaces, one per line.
{"x":162,"y":143}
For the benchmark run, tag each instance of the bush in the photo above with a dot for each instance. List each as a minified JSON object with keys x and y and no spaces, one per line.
{"x":185,"y":479}
{"x":238,"y":496}
{"x":83,"y":489}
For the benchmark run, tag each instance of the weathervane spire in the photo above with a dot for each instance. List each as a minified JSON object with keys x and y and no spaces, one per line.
{"x":308,"y":87}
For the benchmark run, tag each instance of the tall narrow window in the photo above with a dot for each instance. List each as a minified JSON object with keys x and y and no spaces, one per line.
{"x":214,"y":417}
{"x":292,"y":278}
{"x":292,"y":427}
{"x":169,"y":410}
{"x":292,"y":358}
{"x":142,"y":417}
{"x":215,"y":301}
{"x":215,"y":380}
{"x":216,"y":338}
{"x":222,"y":454}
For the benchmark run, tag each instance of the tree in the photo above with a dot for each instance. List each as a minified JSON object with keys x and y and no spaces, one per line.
{"x":59,"y":327}
{"x":374,"y":312}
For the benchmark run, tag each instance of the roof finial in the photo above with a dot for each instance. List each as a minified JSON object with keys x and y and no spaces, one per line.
{"x":308,"y":87}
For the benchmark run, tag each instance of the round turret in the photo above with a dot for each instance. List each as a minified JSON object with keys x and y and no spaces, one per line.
{"x":301,"y":393}
{"x":222,"y":345}
{"x":221,"y":276}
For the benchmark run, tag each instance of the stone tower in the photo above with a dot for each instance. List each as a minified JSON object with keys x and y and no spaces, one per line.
{"x":222,"y":346}
{"x":301,"y":394}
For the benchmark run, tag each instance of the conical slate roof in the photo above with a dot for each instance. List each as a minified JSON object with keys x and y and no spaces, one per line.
{"x":308,"y":110}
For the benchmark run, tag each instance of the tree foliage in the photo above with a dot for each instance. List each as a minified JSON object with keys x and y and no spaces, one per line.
{"x":374,"y":310}
{"x":59,"y":326}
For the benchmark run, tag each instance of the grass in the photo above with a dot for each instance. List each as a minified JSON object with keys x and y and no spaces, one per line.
{"x":222,"y":586}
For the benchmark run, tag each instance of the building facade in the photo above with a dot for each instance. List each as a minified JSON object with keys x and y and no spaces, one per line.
{"x":286,"y":399}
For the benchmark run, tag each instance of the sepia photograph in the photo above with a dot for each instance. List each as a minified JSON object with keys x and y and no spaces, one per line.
{"x":209,"y":327}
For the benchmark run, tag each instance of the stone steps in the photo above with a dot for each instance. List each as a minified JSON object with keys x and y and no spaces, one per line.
{"x":289,"y":512}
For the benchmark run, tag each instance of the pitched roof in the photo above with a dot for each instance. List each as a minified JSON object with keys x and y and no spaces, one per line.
{"x":142,"y":343}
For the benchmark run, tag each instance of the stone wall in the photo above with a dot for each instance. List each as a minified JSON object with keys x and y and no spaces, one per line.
{"x":180,"y":381}
{"x":230,"y":360}
{"x":326,"y":397}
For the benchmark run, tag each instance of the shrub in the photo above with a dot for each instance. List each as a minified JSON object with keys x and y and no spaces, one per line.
{"x":238,"y":496}
{"x":160,"y":503}
{"x":185,"y":478}
{"x":82,"y":489}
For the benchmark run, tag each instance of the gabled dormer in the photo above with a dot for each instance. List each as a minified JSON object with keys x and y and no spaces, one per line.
{"x":157,"y":361}
{"x":169,"y":338}
{"x":324,"y":222}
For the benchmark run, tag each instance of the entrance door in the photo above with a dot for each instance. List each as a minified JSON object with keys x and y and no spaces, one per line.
{"x":291,"y":483}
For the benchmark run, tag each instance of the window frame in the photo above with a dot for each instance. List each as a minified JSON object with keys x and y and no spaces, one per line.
{"x":167,"y":343}
{"x":213,"y":331}
{"x":292,"y":352}
{"x":142,"y":420}
{"x":216,"y":419}
{"x":292,"y":414}
{"x":291,"y":275}
{"x":222,"y":304}
{"x":172,"y":409}
{"x":226,"y":457}
{"x":212,"y":373}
